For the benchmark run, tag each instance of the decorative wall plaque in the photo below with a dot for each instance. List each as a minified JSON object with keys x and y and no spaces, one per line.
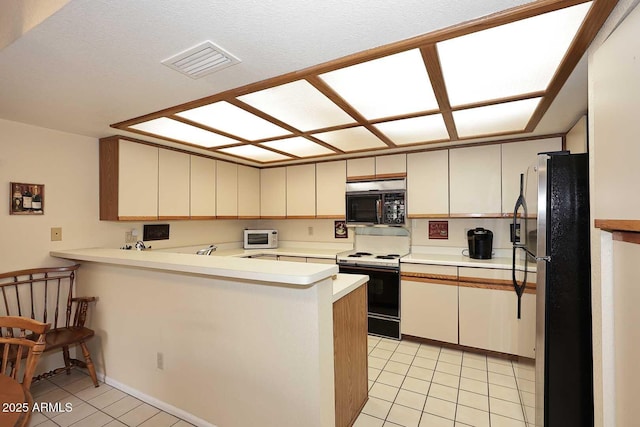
{"x":26,"y":199}
{"x":439,"y":230}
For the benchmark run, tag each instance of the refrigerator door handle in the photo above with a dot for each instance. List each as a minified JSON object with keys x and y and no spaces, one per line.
{"x":520,"y":203}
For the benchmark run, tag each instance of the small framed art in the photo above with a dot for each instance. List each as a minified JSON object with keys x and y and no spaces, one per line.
{"x":26,"y":199}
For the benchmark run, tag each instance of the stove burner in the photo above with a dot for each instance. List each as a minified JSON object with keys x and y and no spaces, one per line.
{"x":359,"y":254}
{"x":390,"y":256}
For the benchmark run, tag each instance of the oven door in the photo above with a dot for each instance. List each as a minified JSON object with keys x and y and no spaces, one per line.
{"x":383,"y":299}
{"x":363,"y":208}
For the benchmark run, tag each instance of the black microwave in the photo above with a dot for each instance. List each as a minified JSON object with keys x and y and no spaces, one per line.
{"x":376,"y":202}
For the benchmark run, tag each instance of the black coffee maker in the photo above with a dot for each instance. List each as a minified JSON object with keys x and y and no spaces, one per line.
{"x":480,"y":243}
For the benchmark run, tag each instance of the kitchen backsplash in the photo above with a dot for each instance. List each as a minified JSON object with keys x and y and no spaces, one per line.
{"x":458,"y":228}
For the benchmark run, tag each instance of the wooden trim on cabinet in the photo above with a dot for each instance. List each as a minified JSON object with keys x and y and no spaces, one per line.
{"x":530,"y":289}
{"x":422,"y":216}
{"x":300,"y":217}
{"x":618,"y":224}
{"x":391,"y":175}
{"x":477,"y":215}
{"x":350,"y":355}
{"x":627,"y":236}
{"x":109,"y":175}
{"x":430,"y":278}
{"x":226,"y":216}
{"x":173,"y":217}
{"x":202,"y":217}
{"x":329,"y":216}
{"x":137,"y":218}
{"x":248,"y":216}
{"x":273,"y":217}
{"x":361,"y":177}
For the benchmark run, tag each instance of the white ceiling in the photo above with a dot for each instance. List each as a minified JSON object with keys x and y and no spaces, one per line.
{"x":97,"y":62}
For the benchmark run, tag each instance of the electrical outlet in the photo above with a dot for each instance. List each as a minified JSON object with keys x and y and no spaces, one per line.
{"x":160,"y":360}
{"x":56,"y":234}
{"x":310,"y":231}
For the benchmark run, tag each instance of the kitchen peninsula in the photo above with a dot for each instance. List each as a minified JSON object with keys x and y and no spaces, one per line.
{"x":218,"y":340}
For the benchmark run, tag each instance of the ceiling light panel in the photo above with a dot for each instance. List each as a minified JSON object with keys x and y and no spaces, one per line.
{"x":498,"y":118}
{"x":169,"y":128}
{"x":298,"y":104}
{"x":512,"y":59}
{"x":233,"y":120}
{"x":253,"y":152}
{"x":299,"y":146}
{"x":417,"y":129}
{"x":351,"y":139}
{"x":385,"y":87}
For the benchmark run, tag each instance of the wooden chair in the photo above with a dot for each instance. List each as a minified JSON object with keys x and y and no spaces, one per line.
{"x":44,"y":293}
{"x":14,"y":347}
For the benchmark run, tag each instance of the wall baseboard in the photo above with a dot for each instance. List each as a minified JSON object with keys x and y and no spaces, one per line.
{"x":155,"y":402}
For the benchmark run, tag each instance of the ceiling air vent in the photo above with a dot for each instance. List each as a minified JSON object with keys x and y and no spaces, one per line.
{"x":201,"y":60}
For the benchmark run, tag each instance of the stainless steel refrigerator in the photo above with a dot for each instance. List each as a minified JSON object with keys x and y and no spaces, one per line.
{"x":564,"y":361}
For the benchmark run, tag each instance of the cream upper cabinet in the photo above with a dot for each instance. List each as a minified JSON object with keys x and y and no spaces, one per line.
{"x":330,"y":187}
{"x":391,"y":165}
{"x":226,"y":190}
{"x":428,"y":184}
{"x":364,"y":168}
{"x":475,"y":181}
{"x":203,"y":187}
{"x":522,"y":158}
{"x":137,"y":181}
{"x":273,"y":193}
{"x":173,"y":184}
{"x":301,"y":191}
{"x":248,"y":192}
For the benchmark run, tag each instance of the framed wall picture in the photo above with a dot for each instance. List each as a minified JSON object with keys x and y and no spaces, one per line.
{"x":340,"y":230}
{"x":26,"y":199}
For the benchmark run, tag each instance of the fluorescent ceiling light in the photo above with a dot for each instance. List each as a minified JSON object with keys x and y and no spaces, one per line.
{"x":351,"y":139}
{"x":517,"y":58}
{"x":254,"y":153}
{"x":174,"y":129}
{"x":417,"y":129}
{"x":498,"y":118}
{"x":298,"y":104}
{"x":233,"y":120}
{"x":298,"y":146}
{"x":385,"y":87}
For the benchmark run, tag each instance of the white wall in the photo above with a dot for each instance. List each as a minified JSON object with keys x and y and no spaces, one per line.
{"x":614,"y":99}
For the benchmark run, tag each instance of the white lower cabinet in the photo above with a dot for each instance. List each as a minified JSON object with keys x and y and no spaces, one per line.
{"x":488,"y":320}
{"x":429,"y":310}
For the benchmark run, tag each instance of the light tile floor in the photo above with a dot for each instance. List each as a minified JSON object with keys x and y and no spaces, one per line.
{"x":92,"y":406}
{"x":419,"y":385}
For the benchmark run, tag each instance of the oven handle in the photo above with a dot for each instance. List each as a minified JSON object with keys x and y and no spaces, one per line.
{"x":379,"y":210}
{"x":382,"y":270}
